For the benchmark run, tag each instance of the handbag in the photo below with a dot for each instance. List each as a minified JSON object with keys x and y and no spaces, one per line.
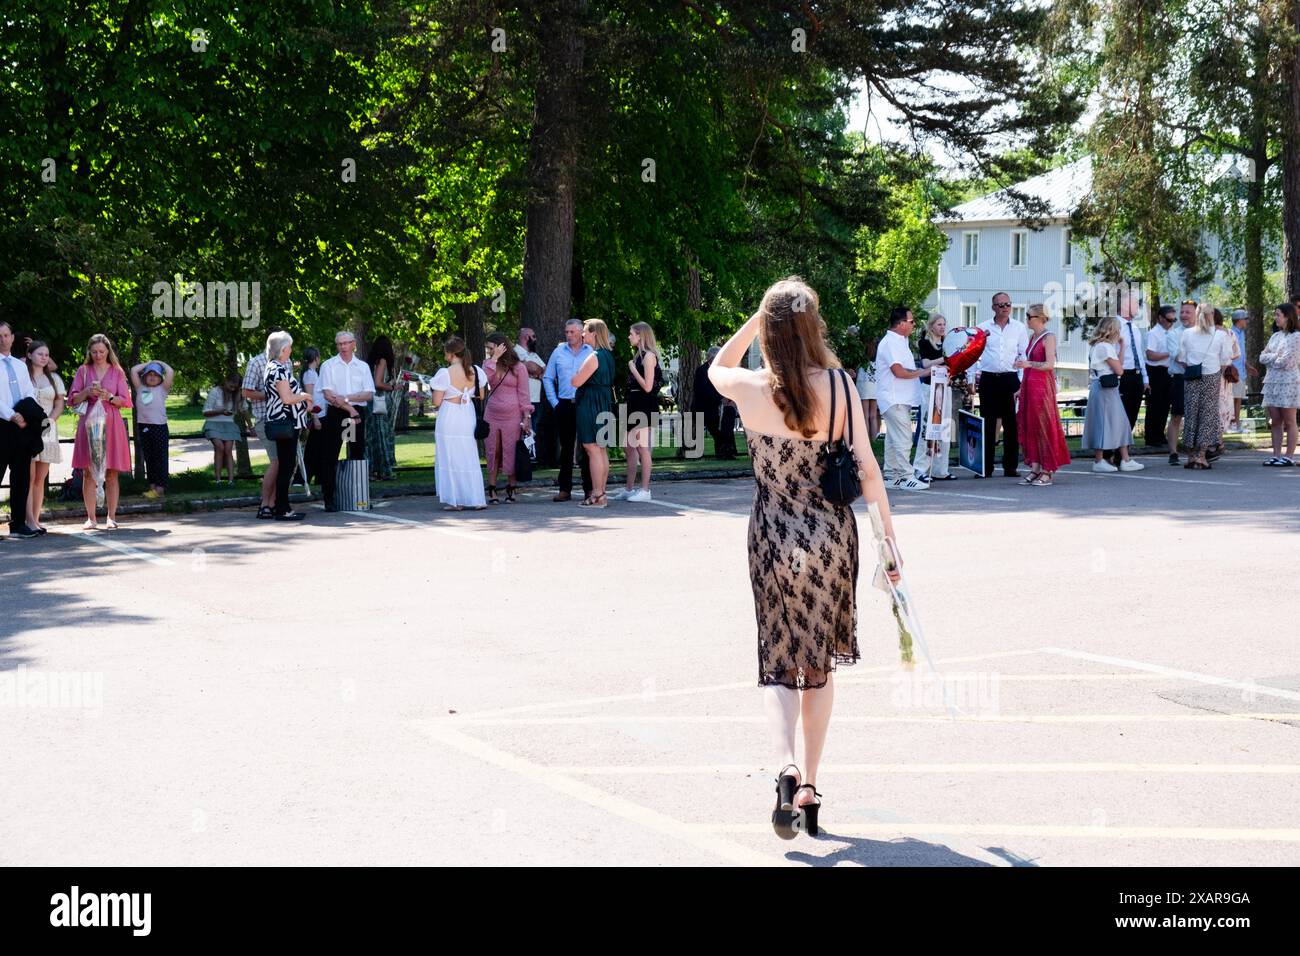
{"x":1193,"y":373}
{"x":841,"y":480}
{"x":278,"y":429}
{"x":480,"y":423}
{"x":379,"y":404}
{"x":1109,"y":380}
{"x":523,"y":461}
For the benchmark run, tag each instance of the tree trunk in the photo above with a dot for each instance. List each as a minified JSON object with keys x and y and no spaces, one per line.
{"x":552,"y":172}
{"x":469,"y":326}
{"x":1291,"y":158}
{"x":1255,"y":209}
{"x":132,"y":360}
{"x":688,"y":348}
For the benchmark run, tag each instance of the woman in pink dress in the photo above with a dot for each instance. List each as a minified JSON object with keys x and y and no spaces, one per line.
{"x":101,"y":384}
{"x":508,"y":412}
{"x":1039,"y":425}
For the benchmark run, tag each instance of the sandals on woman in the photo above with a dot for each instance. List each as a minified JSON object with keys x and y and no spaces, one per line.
{"x":491,"y":491}
{"x":1278,"y":462}
{"x":784,"y":813}
{"x":1041,"y":480}
{"x":594,"y":501}
{"x":805,"y":820}
{"x":510,"y":494}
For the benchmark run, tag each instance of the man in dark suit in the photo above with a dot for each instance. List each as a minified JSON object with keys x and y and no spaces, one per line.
{"x":16,"y":449}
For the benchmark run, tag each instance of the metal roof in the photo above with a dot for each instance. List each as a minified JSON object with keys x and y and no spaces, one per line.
{"x":1062,"y":189}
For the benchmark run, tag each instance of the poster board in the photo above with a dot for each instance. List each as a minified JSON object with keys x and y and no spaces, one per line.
{"x":970,"y":442}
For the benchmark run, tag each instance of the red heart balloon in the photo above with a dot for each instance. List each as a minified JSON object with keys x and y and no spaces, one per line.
{"x":962,"y":348}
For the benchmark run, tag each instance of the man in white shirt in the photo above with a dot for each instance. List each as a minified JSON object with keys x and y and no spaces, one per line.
{"x":898,"y":391}
{"x":1157,"y":356}
{"x":1173,"y":340}
{"x":526,"y":349}
{"x":15,"y":453}
{"x":998,"y":381}
{"x":348,"y":386}
{"x":1133,"y":384}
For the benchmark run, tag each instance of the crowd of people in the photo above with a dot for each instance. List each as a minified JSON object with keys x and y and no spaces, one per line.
{"x":1188,"y":368}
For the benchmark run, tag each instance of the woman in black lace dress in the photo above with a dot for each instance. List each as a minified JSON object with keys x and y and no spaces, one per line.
{"x":803,"y":549}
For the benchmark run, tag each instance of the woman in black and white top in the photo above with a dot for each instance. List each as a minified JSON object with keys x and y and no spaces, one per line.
{"x":287,"y":411}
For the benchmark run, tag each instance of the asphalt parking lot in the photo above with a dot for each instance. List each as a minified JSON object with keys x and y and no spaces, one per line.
{"x":543,"y":684}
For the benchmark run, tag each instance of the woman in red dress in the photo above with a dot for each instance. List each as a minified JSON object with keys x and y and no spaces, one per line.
{"x":1041,"y":439}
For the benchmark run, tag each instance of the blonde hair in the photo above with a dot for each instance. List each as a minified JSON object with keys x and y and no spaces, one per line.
{"x":1037,"y":309}
{"x":599,"y":331}
{"x":647,"y":338}
{"x":929,"y":328}
{"x":99,"y":338}
{"x":1205,"y":318}
{"x":1106,"y":330}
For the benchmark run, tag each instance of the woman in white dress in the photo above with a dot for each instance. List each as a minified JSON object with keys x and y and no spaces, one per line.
{"x":51,"y":395}
{"x":456,"y":468}
{"x":1281,"y":356}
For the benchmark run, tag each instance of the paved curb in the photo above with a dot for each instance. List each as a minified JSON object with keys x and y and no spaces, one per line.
{"x":377,"y":491}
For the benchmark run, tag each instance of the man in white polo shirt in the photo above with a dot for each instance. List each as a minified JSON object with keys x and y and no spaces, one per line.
{"x":348,"y":386}
{"x":898,"y":391}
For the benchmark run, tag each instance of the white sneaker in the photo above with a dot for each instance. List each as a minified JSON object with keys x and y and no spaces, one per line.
{"x":640,"y":495}
{"x":619,"y":495}
{"x":1130,"y":465}
{"x":910,"y":484}
{"x":1103,"y":466}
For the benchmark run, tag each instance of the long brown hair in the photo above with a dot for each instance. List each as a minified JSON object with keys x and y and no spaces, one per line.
{"x":509,"y":359}
{"x":53,"y":379}
{"x":456,"y":346}
{"x":792,"y":338}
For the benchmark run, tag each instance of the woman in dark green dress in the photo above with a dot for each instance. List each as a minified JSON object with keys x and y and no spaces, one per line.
{"x":597,"y":431}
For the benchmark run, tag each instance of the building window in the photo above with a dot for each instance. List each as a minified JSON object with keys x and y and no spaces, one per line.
{"x":1067,"y":247}
{"x":1018,"y":313}
{"x":969,"y":315}
{"x":970,"y":249}
{"x":1019,"y":248}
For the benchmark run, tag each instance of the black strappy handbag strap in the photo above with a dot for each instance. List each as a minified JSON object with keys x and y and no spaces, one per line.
{"x":848,"y":409}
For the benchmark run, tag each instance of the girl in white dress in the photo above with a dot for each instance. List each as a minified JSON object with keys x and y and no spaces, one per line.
{"x":456,"y":468}
{"x":51,"y":395}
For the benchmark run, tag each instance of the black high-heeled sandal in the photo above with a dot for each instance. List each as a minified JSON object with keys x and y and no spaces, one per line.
{"x":491,"y":491}
{"x":806,"y":815}
{"x":510,"y":494}
{"x":784,"y":813}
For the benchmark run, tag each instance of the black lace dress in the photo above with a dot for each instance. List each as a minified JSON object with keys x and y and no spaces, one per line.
{"x":803,"y":564}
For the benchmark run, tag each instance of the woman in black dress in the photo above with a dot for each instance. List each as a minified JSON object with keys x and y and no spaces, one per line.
{"x":644,"y":379}
{"x":803,"y":549}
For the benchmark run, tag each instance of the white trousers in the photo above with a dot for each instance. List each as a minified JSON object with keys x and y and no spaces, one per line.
{"x":898,"y":441}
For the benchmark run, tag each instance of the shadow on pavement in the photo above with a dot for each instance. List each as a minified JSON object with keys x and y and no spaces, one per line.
{"x":904,"y":852}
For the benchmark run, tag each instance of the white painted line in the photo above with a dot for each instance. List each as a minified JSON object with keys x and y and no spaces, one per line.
{"x":662,"y":503}
{"x":958,"y":677}
{"x":651,"y":695}
{"x":453,"y":532}
{"x":593,"y":796}
{"x":856,"y":719}
{"x":1250,"y":687}
{"x":954,"y":494}
{"x":1133,"y":477}
{"x":910,"y":768}
{"x":98,"y":537}
{"x":1225,"y":834}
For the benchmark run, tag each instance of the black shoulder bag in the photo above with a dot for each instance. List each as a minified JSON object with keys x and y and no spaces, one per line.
{"x":841,"y":480}
{"x":480,"y":423}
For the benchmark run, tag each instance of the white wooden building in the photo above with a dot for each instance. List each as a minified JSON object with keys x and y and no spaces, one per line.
{"x":990,"y":251}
